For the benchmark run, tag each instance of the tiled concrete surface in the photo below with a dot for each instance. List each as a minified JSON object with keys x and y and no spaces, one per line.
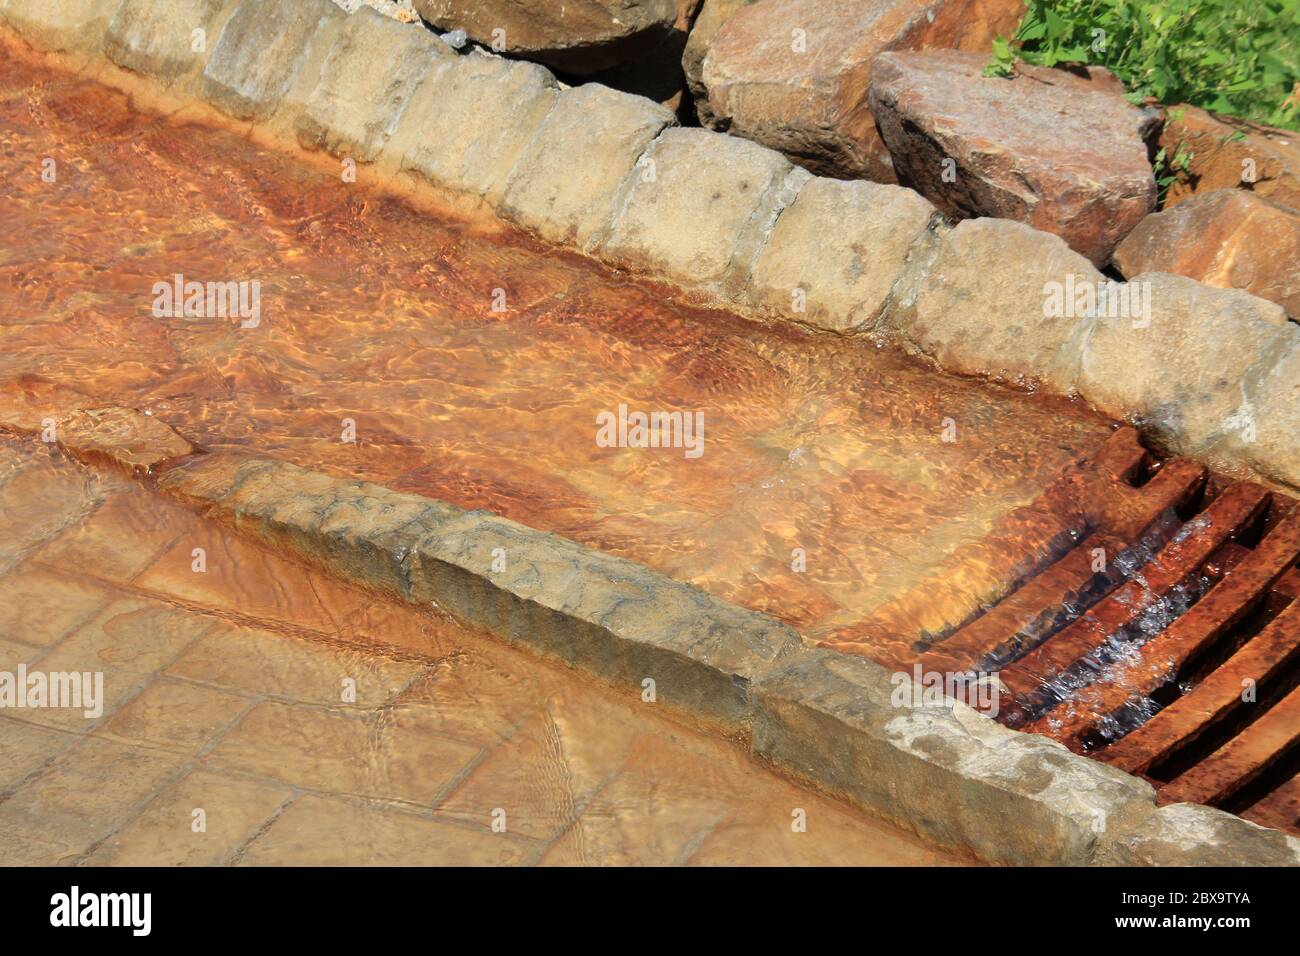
{"x":303,"y":721}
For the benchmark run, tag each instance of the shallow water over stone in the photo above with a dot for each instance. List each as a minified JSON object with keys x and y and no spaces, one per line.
{"x":818,"y":455}
{"x":316,"y":723}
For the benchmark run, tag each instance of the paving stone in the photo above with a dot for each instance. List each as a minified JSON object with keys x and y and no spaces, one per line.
{"x":367,"y":79}
{"x":360,"y":754}
{"x":64,"y":26}
{"x":508,"y":100}
{"x":41,"y":606}
{"x":164,"y":835}
{"x":1182,"y":374}
{"x":174,"y":716}
{"x":158,"y":38}
{"x":253,"y":661}
{"x":125,"y":535}
{"x":982,"y":308}
{"x":260,"y":51}
{"x":89,"y":791}
{"x":570,"y":748}
{"x":321,"y":832}
{"x":836,"y":253}
{"x":25,"y":748}
{"x":591,"y":128}
{"x":699,"y":207}
{"x":1273,"y":416}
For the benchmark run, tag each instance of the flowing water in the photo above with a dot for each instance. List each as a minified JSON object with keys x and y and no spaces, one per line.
{"x":473,"y":367}
{"x":316,"y":723}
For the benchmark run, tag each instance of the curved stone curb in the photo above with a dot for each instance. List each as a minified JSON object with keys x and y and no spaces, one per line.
{"x":730,"y":221}
{"x":952,"y":775}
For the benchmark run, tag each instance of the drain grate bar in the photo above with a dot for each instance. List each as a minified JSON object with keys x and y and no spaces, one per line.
{"x":1054,"y":598}
{"x":1241,"y":759}
{"x":1252,"y":575}
{"x":1212,"y":701}
{"x":1034,"y":679}
{"x":1280,"y":809}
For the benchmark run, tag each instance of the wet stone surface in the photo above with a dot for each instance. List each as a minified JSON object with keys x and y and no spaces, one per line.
{"x":826,"y":483}
{"x":305,"y":721}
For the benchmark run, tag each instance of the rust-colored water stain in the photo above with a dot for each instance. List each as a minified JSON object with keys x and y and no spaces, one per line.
{"x":825,"y":485}
{"x":295,"y":707}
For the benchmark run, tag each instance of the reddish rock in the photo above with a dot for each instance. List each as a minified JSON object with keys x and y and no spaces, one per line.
{"x":572,"y":36}
{"x":1229,"y":153}
{"x":713,"y":14}
{"x":794,"y":74}
{"x":1062,"y":152}
{"x":1228,"y":238}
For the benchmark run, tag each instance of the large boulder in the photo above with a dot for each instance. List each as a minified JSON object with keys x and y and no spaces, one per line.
{"x":1227,"y":153}
{"x":794,"y":74}
{"x":572,"y":36}
{"x":1228,"y":238}
{"x":713,"y":14}
{"x":1064,"y":153}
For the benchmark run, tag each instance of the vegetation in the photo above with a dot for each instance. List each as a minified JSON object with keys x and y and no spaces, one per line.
{"x":1238,"y":57}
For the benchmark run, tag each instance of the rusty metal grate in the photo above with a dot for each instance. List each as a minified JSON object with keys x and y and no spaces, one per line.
{"x":1166,"y":641}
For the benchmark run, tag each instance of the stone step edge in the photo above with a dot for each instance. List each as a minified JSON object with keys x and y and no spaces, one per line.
{"x":133,"y":43}
{"x":954,"y":776}
{"x":839,"y":723}
{"x":829,"y":720}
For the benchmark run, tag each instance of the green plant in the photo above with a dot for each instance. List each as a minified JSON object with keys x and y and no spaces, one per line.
{"x":1239,"y":57}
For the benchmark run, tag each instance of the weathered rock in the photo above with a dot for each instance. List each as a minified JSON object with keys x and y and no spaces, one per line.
{"x":713,"y":14}
{"x":161,"y":38}
{"x":793,"y":74}
{"x":508,"y":100}
{"x":1228,"y":238}
{"x":1058,"y":151}
{"x":1267,"y":435}
{"x":573,"y":36}
{"x":699,"y":206}
{"x":1180,"y":364}
{"x":958,"y":777}
{"x":999,"y":300}
{"x":1228,"y":153}
{"x":366,"y":81}
{"x":837,"y":251}
{"x":259,"y":52}
{"x":65,"y":26}
{"x":566,"y":185}
{"x":1185,"y":834}
{"x":608,"y":616}
{"x":129,"y":439}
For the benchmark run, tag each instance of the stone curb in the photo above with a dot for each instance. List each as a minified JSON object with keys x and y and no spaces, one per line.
{"x":730,"y":221}
{"x":952,"y":775}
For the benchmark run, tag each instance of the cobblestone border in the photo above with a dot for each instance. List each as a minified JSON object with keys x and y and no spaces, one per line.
{"x":732,"y":221}
{"x":952,"y":775}
{"x":829,"y":720}
{"x":1208,"y":372}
